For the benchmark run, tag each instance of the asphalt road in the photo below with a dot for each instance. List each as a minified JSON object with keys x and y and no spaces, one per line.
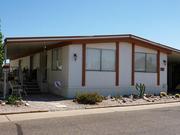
{"x":164,"y":121}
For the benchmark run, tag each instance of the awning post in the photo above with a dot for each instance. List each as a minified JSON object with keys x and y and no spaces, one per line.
{"x":5,"y":72}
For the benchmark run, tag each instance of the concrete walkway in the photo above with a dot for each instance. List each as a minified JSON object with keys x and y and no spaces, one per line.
{"x":45,"y":115}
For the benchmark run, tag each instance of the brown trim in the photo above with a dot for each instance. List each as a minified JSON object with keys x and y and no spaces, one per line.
{"x":158,"y":67}
{"x":83,"y":64}
{"x":117,"y":64}
{"x":133,"y":63}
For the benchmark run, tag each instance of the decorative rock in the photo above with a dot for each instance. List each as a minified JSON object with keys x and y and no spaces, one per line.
{"x":113,"y":99}
{"x":147,"y":99}
{"x":18,"y":103}
{"x":3,"y":103}
{"x":124,"y":100}
{"x":27,"y":104}
{"x":74,"y":100}
{"x":109,"y":97}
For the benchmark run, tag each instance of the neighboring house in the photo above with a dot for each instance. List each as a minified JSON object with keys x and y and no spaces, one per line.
{"x":108,"y":64}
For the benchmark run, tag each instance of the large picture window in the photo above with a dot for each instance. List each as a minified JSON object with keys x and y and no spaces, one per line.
{"x":56,"y":59}
{"x":100,"y":59}
{"x":145,"y":62}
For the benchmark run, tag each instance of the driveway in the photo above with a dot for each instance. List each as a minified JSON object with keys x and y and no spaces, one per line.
{"x":164,"y":121}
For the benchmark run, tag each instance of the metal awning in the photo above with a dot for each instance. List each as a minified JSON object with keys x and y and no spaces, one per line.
{"x":23,"y":46}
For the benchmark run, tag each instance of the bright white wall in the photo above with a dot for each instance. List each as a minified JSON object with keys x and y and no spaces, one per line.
{"x":163,"y":74}
{"x":125,"y":61}
{"x":75,"y":67}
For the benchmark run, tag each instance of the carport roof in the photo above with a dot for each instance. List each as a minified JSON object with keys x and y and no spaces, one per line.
{"x":23,"y":46}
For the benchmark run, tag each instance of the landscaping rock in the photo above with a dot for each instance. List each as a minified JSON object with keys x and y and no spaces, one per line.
{"x":113,"y":99}
{"x":163,"y":94}
{"x":3,"y":103}
{"x":27,"y":104}
{"x":147,"y":99}
{"x":124,"y":100}
{"x":108,"y":97}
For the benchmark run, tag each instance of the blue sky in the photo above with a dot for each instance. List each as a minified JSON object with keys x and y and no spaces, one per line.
{"x":157,"y":20}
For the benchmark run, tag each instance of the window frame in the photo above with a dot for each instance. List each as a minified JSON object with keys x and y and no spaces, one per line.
{"x":145,"y":71}
{"x":101,"y":50}
{"x":57,"y":59}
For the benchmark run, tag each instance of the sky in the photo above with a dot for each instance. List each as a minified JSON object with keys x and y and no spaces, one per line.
{"x":156,"y":20}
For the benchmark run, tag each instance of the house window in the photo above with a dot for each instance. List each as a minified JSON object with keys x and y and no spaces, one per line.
{"x":145,"y":62}
{"x":100,"y":60}
{"x":56,"y":58}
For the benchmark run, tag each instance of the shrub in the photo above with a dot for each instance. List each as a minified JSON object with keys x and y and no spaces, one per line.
{"x":118,"y":97}
{"x":163,"y":94}
{"x":141,"y":88}
{"x":89,"y":98}
{"x":177,"y":96}
{"x":13,"y":99}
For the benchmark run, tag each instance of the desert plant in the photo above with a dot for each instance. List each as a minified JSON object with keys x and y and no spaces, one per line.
{"x":141,"y":88}
{"x":118,"y":97}
{"x":177,"y":96}
{"x":163,"y":94}
{"x":13,"y":99}
{"x":89,"y":98}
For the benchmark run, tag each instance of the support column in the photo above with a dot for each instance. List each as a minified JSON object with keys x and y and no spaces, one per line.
{"x":133,"y":63}
{"x":117,"y":64}
{"x":158,"y":68}
{"x":5,"y":73}
{"x":83,"y":64}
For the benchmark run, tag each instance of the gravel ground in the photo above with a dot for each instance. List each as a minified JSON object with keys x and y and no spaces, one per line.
{"x":54,"y":103}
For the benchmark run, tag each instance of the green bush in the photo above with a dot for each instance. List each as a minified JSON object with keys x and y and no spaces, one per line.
{"x":12,"y":99}
{"x":89,"y":98}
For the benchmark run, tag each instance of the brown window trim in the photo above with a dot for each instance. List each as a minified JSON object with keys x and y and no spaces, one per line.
{"x":117,"y":64}
{"x":83,"y":64}
{"x":133,"y":63}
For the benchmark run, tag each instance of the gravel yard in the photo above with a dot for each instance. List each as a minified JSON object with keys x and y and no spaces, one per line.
{"x":53,"y":103}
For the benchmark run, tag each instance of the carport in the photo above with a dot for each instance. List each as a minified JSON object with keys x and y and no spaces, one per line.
{"x":174,"y":72}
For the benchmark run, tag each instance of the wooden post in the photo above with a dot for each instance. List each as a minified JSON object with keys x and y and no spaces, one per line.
{"x":5,"y":73}
{"x":117,"y":64}
{"x":158,"y":68}
{"x":133,"y":62}
{"x":83,"y":64}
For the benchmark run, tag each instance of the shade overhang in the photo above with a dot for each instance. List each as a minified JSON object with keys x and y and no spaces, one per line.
{"x":23,"y":46}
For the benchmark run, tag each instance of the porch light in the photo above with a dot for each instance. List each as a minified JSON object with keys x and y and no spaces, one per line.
{"x":75,"y":56}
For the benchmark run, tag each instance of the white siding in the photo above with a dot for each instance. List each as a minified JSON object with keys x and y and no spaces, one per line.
{"x":75,"y":67}
{"x":163,"y":74}
{"x":125,"y":61}
{"x":102,"y":82}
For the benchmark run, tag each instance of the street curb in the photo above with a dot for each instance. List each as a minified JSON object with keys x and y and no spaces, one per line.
{"x":88,"y":108}
{"x":23,"y":112}
{"x":96,"y":107}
